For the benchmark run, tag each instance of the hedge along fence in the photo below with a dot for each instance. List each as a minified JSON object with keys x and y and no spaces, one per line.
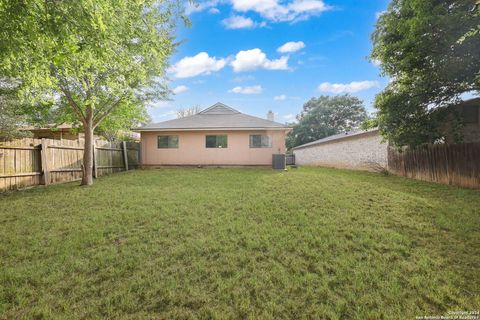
{"x":29,"y":162}
{"x":455,"y":164}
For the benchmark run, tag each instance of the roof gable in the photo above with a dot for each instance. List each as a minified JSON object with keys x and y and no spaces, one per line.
{"x":219,"y":108}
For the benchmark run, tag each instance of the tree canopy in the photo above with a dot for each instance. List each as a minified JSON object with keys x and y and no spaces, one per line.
{"x":11,"y":113}
{"x":88,"y":60}
{"x":430,"y":50}
{"x":325,"y":116}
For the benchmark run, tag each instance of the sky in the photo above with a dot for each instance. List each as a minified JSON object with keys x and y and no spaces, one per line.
{"x":261,"y":55}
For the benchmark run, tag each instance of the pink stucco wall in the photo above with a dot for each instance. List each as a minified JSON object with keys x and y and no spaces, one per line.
{"x":192,"y":151}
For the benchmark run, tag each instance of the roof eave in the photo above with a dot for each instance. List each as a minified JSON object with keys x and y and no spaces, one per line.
{"x":212,"y":129}
{"x":319,"y":142}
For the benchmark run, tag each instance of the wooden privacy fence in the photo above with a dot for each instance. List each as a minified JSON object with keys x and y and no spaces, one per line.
{"x":455,"y":164}
{"x":29,"y":162}
{"x":290,"y":159}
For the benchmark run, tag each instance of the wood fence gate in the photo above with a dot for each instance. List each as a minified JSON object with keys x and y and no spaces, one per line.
{"x":29,"y":162}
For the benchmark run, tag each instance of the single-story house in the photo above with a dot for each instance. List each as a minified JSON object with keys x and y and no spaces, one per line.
{"x":58,"y":132}
{"x":360,"y":149}
{"x":219,"y":135}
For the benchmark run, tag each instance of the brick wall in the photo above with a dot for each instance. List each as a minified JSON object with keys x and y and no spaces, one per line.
{"x":364,"y":151}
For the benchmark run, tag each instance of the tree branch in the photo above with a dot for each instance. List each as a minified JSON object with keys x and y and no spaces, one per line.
{"x":62,"y":84}
{"x":73,"y":104}
{"x":107,"y":112}
{"x":104,"y":106}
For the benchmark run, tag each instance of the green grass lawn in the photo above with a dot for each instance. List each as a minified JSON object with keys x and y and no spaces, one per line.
{"x":240,"y":243}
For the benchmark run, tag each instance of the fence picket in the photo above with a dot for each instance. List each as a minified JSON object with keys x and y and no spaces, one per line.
{"x":443,"y":163}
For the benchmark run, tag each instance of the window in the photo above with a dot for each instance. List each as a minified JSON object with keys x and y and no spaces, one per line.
{"x":219,"y":141}
{"x":260,"y":141}
{"x":167,"y":142}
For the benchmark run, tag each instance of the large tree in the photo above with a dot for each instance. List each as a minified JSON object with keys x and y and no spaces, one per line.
{"x":325,"y":116}
{"x":88,"y":60}
{"x":12,"y":117}
{"x":430,"y":50}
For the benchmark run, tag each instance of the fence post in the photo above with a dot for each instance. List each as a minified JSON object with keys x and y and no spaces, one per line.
{"x":125,"y":155}
{"x":140,"y":159}
{"x":95,"y":173}
{"x":44,"y":160}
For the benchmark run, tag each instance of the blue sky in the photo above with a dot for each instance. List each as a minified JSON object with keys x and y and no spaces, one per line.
{"x":260,"y":55}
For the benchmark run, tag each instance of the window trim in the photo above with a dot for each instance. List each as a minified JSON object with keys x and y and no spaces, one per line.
{"x":168,"y":141}
{"x":216,"y":142}
{"x":270,"y":140}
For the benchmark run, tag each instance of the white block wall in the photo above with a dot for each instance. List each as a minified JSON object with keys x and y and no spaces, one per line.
{"x":365,"y":151}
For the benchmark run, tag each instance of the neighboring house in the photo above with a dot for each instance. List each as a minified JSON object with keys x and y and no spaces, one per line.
{"x":365,"y":149}
{"x":218,"y":135}
{"x":59,"y":132}
{"x":70,"y":132}
{"x":362,"y":149}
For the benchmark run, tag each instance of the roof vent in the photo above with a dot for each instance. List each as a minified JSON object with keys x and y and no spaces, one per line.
{"x":270,"y":115}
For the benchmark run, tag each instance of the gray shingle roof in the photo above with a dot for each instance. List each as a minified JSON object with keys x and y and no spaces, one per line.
{"x":218,"y":116}
{"x":335,"y":137}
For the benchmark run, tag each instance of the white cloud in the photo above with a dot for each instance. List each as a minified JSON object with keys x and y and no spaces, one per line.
{"x":351,"y":87}
{"x":307,"y":5}
{"x":196,"y":65}
{"x":255,"y":59}
{"x":180,"y":89}
{"x":247,"y":90}
{"x":291,"y":47}
{"x":213,"y":11}
{"x":280,"y":97}
{"x":376,"y":62}
{"x":275,"y":11}
{"x":240,"y":22}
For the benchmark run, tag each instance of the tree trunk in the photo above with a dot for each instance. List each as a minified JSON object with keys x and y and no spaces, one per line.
{"x":87,"y":179}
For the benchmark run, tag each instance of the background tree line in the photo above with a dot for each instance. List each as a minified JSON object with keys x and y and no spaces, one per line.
{"x":325,"y":116}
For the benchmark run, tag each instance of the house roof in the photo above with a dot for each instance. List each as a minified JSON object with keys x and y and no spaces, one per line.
{"x":219,"y":116}
{"x":336,"y":137}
